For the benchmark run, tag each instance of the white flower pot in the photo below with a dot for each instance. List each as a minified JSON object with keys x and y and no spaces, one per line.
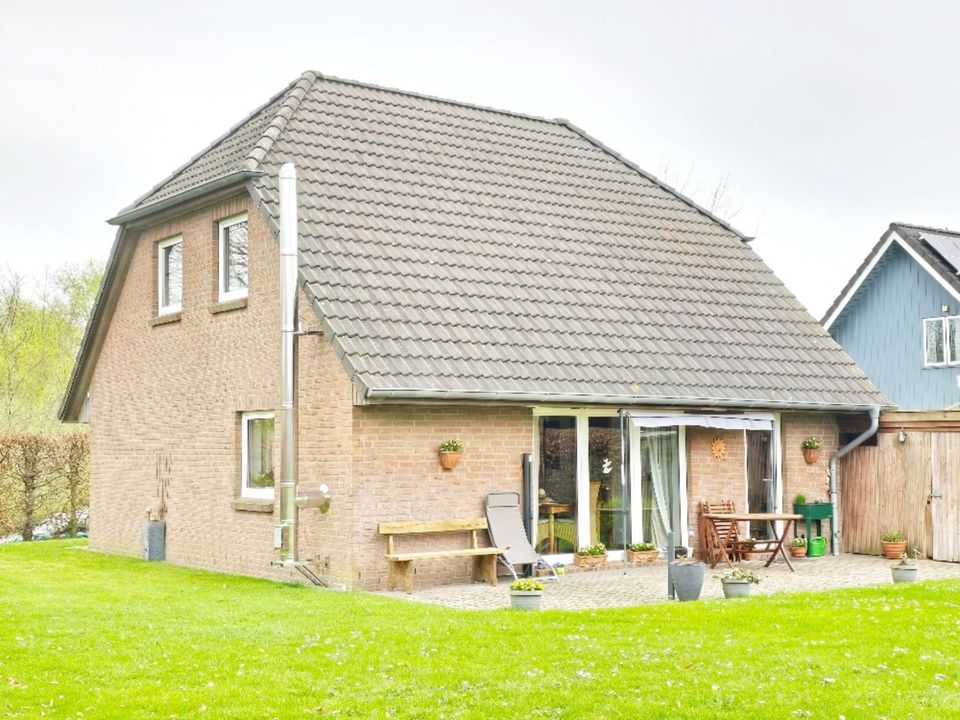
{"x":526,"y":599}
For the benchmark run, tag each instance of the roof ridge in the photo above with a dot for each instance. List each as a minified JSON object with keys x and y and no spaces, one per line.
{"x":926,"y":228}
{"x":236,"y":126}
{"x":652,"y":178}
{"x":435,"y":98}
{"x":298,"y":89}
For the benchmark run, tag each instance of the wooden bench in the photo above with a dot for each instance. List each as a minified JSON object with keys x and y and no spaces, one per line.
{"x":401,"y":563}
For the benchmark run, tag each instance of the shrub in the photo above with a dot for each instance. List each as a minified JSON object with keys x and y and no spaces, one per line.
{"x":892,"y":537}
{"x":641,"y":547}
{"x":800,"y":499}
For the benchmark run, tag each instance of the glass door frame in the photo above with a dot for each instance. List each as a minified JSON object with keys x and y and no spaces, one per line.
{"x":682,"y":536}
{"x":776,"y":461}
{"x":582,"y":416}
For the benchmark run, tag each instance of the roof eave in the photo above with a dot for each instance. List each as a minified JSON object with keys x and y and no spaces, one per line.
{"x":225,"y":181}
{"x":375,"y":395}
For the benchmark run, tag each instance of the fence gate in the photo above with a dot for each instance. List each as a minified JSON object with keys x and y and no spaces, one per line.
{"x":944,"y":497}
{"x":912,"y":486}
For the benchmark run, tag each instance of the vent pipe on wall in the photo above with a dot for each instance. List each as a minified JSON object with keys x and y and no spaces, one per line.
{"x":289,"y":247}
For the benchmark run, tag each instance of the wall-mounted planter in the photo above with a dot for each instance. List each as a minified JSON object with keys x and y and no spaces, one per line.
{"x":811,"y":455}
{"x":449,"y":460}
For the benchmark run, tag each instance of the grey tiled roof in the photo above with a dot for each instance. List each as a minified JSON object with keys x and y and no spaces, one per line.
{"x":458,"y":251}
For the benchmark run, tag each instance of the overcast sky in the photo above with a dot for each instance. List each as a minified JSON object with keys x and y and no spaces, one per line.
{"x":830,"y":120}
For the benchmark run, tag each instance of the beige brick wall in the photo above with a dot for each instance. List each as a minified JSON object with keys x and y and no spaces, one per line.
{"x":176,"y":390}
{"x":398,"y":477}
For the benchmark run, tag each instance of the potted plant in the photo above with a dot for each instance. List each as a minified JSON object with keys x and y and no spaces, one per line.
{"x":642,"y":553}
{"x":906,"y":570}
{"x":526,"y":594}
{"x":811,"y":450}
{"x":798,"y":546}
{"x":591,"y":557}
{"x":687,"y":578}
{"x":737,"y":582}
{"x":747,"y":549}
{"x":800,"y":499}
{"x":450,"y":452}
{"x":894,"y":545}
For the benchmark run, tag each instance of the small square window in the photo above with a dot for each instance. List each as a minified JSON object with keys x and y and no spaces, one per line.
{"x":169,"y":276}
{"x":257,"y":469}
{"x":232,"y":253}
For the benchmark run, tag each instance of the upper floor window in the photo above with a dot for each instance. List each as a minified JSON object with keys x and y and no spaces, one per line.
{"x":941,"y":341}
{"x":232,"y":253}
{"x":169,"y":276}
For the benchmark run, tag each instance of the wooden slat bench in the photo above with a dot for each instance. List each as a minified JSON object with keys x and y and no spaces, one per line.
{"x":401,"y":563}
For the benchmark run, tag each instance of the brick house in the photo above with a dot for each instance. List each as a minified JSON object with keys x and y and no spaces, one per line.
{"x":464,"y":273}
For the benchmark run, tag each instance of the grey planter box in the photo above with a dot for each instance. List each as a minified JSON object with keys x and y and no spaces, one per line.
{"x":736,"y":588}
{"x":526,"y":600}
{"x":687,"y":580}
{"x":155,"y":540}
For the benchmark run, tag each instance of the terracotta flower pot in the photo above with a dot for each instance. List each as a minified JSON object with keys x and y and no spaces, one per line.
{"x":449,"y":460}
{"x":642,"y":556}
{"x":811,"y":455}
{"x":590,"y":561}
{"x":894,"y":550}
{"x":798,"y":552}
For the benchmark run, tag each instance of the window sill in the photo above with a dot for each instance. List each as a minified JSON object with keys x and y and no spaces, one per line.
{"x":250,"y":504}
{"x":165,"y":319}
{"x":228,"y":305}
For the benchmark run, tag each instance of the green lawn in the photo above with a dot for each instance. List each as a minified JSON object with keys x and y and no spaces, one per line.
{"x":88,"y":636}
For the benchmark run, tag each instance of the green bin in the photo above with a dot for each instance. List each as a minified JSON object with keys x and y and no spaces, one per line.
{"x":816,"y":546}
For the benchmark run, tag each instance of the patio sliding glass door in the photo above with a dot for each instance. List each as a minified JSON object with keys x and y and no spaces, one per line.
{"x":761,"y":485}
{"x":659,"y":462}
{"x":582,"y":498}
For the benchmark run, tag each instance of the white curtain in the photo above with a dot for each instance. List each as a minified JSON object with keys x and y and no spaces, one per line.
{"x":662,"y":462}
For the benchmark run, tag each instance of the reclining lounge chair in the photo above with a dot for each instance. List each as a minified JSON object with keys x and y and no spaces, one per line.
{"x":505,"y":526}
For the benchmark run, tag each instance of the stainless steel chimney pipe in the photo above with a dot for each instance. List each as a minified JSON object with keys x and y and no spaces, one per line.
{"x":289,"y":247}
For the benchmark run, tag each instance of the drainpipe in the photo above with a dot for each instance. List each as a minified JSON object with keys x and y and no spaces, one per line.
{"x":859,"y":440}
{"x":288,"y":363}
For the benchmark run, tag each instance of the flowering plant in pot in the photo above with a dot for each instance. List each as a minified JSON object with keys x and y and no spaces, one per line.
{"x":591,"y":557}
{"x":450,"y":452}
{"x":894,"y":545}
{"x":526,"y":594}
{"x":642,"y":553}
{"x":798,"y":546}
{"x":747,"y":549}
{"x":906,"y":569}
{"x":737,"y":582}
{"x":811,"y":449}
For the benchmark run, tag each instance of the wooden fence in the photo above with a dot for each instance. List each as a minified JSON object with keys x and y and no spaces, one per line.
{"x":911,"y":486}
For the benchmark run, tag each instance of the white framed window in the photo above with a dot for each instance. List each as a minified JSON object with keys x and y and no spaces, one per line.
{"x":170,"y":276}
{"x":232,"y":254}
{"x":941,"y":341}
{"x":256,"y":464}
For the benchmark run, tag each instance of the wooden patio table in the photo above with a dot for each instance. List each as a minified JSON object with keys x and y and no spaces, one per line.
{"x":771,"y":518}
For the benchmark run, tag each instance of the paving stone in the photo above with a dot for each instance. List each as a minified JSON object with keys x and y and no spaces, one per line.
{"x":620,"y":587}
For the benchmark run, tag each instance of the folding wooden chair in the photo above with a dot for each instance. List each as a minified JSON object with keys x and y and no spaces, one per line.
{"x":725,"y":530}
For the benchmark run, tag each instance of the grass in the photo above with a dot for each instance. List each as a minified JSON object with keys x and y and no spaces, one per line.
{"x":89,"y":636}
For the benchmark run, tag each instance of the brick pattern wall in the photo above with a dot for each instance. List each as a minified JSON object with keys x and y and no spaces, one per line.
{"x":176,"y":391}
{"x":810,"y":480}
{"x":397,"y":476}
{"x":710,"y":478}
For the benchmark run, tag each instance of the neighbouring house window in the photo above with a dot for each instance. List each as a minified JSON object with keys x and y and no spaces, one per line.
{"x":169,"y":276}
{"x":941,"y":341}
{"x":257,"y":469}
{"x":233,"y":258}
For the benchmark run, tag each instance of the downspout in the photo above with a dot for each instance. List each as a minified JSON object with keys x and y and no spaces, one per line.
{"x":288,"y":363}
{"x":859,"y":440}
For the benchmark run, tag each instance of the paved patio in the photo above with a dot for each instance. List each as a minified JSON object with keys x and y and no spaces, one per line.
{"x":616,"y":587}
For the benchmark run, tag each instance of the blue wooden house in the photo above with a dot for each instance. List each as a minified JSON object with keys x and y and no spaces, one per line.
{"x":899,"y":317}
